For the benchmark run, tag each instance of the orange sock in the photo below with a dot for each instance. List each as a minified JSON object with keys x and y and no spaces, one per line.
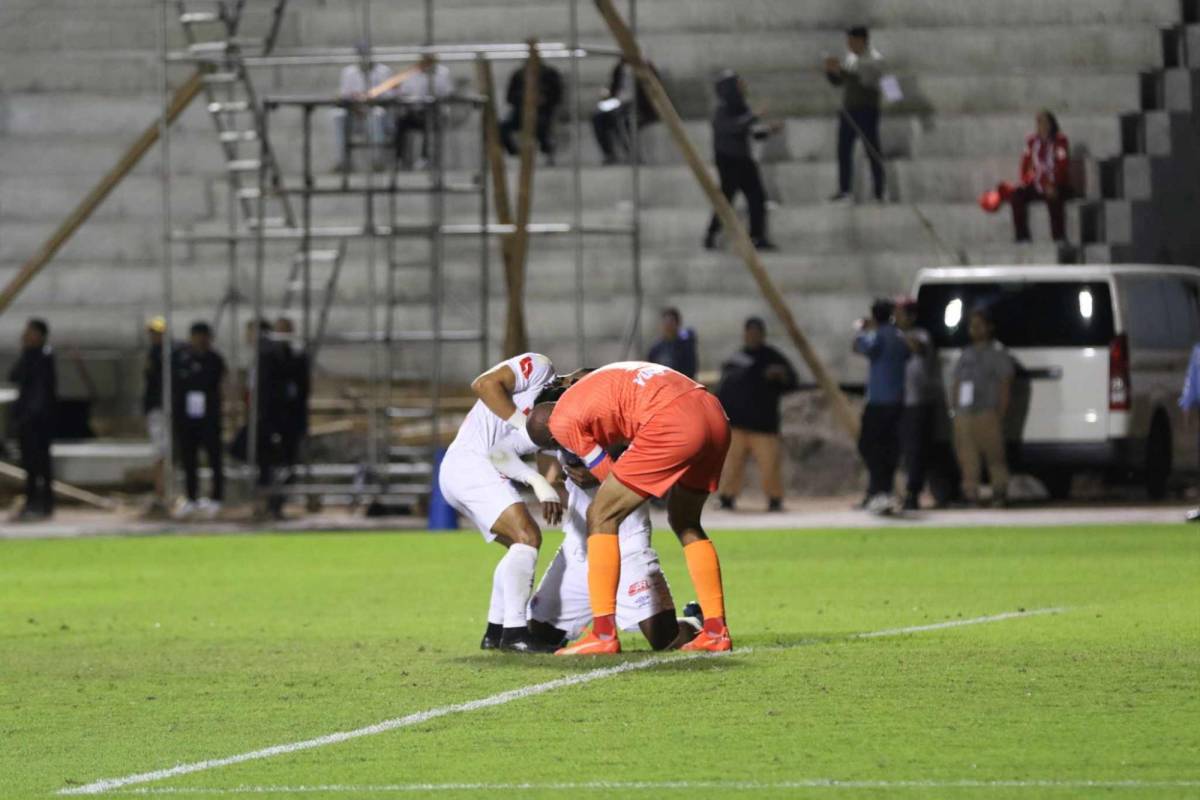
{"x":604,"y":575}
{"x":705,"y":569}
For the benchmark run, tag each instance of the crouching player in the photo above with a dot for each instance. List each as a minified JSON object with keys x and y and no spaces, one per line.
{"x":475,"y":480}
{"x":561,"y":607}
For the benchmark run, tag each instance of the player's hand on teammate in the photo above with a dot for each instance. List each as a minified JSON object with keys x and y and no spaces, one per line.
{"x":581,"y":475}
{"x":552,"y":512}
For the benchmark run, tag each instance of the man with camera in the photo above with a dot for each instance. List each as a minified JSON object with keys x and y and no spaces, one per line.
{"x":879,"y":442}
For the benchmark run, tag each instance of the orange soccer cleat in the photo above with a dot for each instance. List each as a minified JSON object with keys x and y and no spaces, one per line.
{"x":591,"y":645}
{"x":707,"y":641}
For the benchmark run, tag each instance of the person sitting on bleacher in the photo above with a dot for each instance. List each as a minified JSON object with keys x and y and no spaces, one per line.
{"x":356,"y":81}
{"x":612,"y":121}
{"x":428,"y":80}
{"x":1044,"y":178}
{"x":549,"y":98}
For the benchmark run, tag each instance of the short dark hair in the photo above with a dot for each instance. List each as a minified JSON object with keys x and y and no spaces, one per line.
{"x":984,"y":312}
{"x":882,"y":309}
{"x":755,"y":322}
{"x":673,"y":313}
{"x":39,"y":325}
{"x":200,"y":327}
{"x":859,"y":32}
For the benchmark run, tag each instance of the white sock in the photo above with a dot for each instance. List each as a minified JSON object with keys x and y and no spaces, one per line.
{"x":496,"y":605}
{"x":516,"y":574}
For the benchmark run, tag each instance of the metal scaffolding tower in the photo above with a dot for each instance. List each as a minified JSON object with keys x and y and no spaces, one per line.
{"x":281,"y":219}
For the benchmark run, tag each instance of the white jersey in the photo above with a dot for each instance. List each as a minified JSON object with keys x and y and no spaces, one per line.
{"x":482,"y":430}
{"x":634,"y":532}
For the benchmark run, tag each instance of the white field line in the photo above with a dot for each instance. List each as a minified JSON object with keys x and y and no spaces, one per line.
{"x":110,"y":784}
{"x":742,"y":786}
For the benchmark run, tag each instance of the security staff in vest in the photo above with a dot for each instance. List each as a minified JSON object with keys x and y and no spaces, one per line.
{"x":199,"y":373}
{"x":33,"y":417}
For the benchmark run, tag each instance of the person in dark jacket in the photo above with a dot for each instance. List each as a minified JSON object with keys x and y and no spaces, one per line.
{"x":199,"y":374}
{"x":879,"y":441}
{"x":292,"y":400}
{"x":677,"y":347}
{"x":550,"y":96}
{"x":859,"y":74}
{"x":613,"y":117}
{"x":734,"y":124}
{"x":33,"y":417}
{"x":752,"y":382}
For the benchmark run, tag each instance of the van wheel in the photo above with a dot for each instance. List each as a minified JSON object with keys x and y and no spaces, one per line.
{"x":1158,"y":458}
{"x":1058,"y":483}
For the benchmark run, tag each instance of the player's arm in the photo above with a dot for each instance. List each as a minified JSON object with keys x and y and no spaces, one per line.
{"x":506,"y":461}
{"x":495,"y":388}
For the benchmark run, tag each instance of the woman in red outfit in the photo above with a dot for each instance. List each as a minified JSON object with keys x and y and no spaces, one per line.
{"x":1044,"y":178}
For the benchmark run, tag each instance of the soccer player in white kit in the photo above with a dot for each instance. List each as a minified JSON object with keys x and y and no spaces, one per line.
{"x":475,"y":480}
{"x":561,"y":607}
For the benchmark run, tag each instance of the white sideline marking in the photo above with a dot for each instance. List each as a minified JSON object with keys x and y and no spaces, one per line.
{"x":746,"y":786}
{"x":109,"y":784}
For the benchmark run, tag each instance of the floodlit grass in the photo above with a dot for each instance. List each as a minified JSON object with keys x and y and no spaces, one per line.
{"x":120,"y":656}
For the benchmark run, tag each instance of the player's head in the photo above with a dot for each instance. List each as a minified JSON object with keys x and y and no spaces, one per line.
{"x":555,"y":388}
{"x":538,"y":426}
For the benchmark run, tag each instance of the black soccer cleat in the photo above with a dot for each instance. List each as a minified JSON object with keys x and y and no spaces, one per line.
{"x":491,"y":637}
{"x":520,"y":640}
{"x":692,"y":609}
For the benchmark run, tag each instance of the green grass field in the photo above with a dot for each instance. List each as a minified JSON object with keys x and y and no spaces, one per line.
{"x":126,"y":656}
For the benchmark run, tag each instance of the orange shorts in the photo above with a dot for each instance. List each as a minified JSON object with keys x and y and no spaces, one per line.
{"x":684,"y":443}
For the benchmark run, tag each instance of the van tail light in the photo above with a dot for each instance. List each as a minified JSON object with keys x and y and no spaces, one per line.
{"x":1118,"y":374}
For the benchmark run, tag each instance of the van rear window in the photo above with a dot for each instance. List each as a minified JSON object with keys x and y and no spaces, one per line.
{"x":1027,"y":314}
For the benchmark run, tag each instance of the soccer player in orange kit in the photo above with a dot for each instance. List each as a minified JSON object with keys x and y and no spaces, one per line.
{"x":677,"y":436}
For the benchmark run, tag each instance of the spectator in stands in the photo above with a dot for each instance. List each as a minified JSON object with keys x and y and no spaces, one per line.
{"x":753,"y":381}
{"x":152,"y":408}
{"x":1045,"y":178}
{"x":858,"y":73}
{"x":879,"y":440}
{"x":982,"y":389}
{"x":549,"y":98}
{"x":734,"y":124}
{"x":677,"y":347}
{"x":292,"y":413}
{"x":428,"y":80}
{"x":32,"y":417}
{"x":199,"y":375}
{"x":356,"y":120}
{"x":613,"y":118}
{"x":923,"y":400}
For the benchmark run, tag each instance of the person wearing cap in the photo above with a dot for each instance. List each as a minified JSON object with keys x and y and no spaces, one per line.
{"x":879,"y":440}
{"x":152,"y":407}
{"x":356,"y":80}
{"x":198,"y":375}
{"x":923,"y":400}
{"x":753,"y":381}
{"x":858,"y":73}
{"x":734,"y":125}
{"x":32,"y":417}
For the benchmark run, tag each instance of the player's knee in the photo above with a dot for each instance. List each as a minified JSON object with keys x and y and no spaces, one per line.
{"x":601,"y":519}
{"x":528,"y":533}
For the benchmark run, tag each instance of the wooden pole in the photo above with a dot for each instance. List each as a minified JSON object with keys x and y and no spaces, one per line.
{"x":182,"y":97}
{"x":729,"y":219}
{"x":495,"y":155}
{"x":516,"y":339}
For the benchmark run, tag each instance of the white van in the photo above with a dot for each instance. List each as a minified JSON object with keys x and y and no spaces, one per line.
{"x":1101,"y":354}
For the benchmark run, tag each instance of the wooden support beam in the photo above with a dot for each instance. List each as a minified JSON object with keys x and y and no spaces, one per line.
{"x":842,"y":410}
{"x":179,"y":101}
{"x":516,"y":339}
{"x":63,"y":489}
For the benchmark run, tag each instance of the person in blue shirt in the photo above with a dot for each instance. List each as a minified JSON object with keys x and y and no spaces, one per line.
{"x":677,"y":347}
{"x":879,"y":442}
{"x":1189,"y":401}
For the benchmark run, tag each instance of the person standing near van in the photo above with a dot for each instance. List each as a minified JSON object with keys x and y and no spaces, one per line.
{"x":922,"y":401}
{"x":199,"y":372}
{"x":983,"y":380}
{"x":879,"y":441}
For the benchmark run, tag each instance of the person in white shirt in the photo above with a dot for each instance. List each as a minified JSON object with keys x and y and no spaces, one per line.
{"x":429,"y":79}
{"x":475,"y":480}
{"x":373,"y":122}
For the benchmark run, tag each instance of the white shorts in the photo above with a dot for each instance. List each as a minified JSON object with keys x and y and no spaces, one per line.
{"x":474,"y":489}
{"x":562,"y":598}
{"x":156,"y":429}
